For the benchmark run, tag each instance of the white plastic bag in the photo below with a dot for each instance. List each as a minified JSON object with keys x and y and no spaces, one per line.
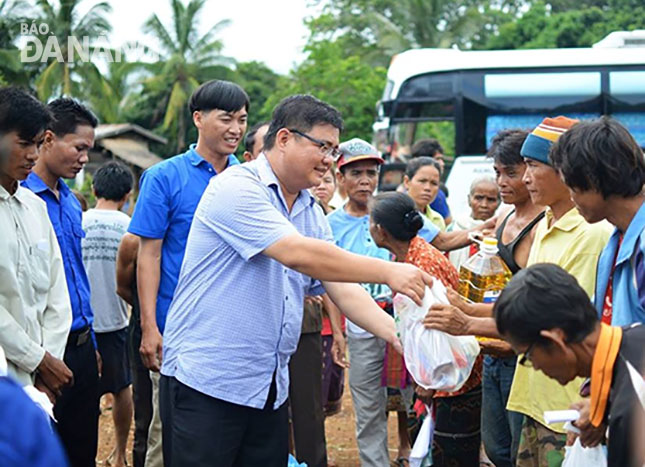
{"x":421,"y":453}
{"x":577,"y":456}
{"x":435,"y":360}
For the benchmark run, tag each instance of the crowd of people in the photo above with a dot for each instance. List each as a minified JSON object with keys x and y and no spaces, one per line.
{"x":225,"y":314}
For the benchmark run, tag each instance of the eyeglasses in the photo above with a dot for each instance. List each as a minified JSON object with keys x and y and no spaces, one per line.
{"x":326,"y":148}
{"x":525,"y":359}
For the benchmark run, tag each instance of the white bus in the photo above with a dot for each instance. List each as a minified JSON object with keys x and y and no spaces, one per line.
{"x":482,"y":92}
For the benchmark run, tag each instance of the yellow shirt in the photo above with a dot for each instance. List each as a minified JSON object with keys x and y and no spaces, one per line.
{"x":574,"y":245}
{"x":435,"y":218}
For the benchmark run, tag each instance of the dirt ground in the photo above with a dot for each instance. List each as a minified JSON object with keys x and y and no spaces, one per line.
{"x":341,"y":439}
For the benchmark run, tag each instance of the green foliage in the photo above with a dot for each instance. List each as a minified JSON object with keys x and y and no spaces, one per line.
{"x":58,"y":78}
{"x":184,"y":59}
{"x":259,"y":82}
{"x":444,"y":132}
{"x":346,"y":82}
{"x":377,"y":29}
{"x":545,"y":27}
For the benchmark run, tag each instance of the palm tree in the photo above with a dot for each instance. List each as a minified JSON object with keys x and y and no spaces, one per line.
{"x":183,"y":59}
{"x":65,"y":77}
{"x":113,"y":94}
{"x":11,"y":16}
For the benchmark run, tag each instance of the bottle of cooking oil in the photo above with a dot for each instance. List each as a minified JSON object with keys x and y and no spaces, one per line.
{"x":484,"y":275}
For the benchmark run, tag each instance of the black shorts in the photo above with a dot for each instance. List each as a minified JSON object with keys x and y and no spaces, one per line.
{"x":116,"y":364}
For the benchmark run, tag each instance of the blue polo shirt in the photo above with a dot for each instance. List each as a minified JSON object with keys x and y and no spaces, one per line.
{"x":66,"y":215}
{"x":168,"y":196}
{"x":440,"y":204}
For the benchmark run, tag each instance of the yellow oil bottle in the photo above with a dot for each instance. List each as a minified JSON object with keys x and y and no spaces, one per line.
{"x":483,"y":277}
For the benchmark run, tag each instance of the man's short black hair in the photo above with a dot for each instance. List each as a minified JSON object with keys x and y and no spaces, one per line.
{"x":543,"y":297}
{"x":219,"y":94}
{"x":112,"y":181}
{"x":249,"y":139}
{"x":428,"y":147}
{"x":301,"y":112}
{"x":506,"y":145}
{"x":600,"y":155}
{"x":23,"y":113}
{"x":68,"y":115}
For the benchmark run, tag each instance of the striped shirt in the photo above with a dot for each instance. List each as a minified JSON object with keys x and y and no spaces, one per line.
{"x":236,"y":314}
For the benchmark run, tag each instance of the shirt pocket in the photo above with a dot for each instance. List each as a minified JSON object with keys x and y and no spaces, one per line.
{"x":78,"y":231}
{"x":39,"y":266}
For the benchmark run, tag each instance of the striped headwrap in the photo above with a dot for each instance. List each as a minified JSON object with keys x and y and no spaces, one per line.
{"x":539,"y":141}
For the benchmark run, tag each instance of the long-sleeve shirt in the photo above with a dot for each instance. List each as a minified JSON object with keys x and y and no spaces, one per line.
{"x":65,"y":215}
{"x":35,"y":311}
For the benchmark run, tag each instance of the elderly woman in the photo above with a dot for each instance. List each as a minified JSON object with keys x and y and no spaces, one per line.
{"x":483,"y":200}
{"x":395,"y":222}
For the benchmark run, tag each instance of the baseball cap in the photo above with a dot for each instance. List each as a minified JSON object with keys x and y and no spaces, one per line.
{"x":356,"y":150}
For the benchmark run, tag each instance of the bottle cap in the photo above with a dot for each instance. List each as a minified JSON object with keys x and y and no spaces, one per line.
{"x":489,"y":246}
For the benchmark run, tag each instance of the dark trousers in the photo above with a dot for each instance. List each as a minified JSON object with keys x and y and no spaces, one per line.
{"x":199,"y":430}
{"x":77,"y":409}
{"x":305,"y":376}
{"x":141,"y":394}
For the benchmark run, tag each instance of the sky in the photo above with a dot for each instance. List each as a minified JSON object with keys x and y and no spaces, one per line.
{"x":268,"y":31}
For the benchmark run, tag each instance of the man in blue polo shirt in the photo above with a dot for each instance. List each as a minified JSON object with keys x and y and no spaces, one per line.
{"x":257,"y":242}
{"x":168,"y":196}
{"x":62,"y":155}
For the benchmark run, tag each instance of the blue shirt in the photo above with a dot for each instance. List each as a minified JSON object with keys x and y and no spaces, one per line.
{"x":168,"y":196}
{"x":628,"y":301}
{"x":440,"y":204}
{"x":26,"y":435}
{"x":353,"y":234}
{"x":429,"y":231}
{"x":236,"y":315}
{"x":66,"y":215}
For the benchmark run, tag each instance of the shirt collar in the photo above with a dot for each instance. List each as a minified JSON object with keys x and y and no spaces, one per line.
{"x":37,"y":185}
{"x":268,"y":177}
{"x":196,"y":159}
{"x":632,"y":234}
{"x":566,"y":223}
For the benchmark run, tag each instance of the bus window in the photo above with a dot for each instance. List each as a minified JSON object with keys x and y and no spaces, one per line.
{"x":541,"y":84}
{"x":627,"y":101}
{"x":496,"y":123}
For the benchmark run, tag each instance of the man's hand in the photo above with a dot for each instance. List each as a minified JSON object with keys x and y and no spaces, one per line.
{"x":42,"y":387}
{"x":338,"y":351}
{"x":457,"y":300}
{"x":151,"y":349}
{"x":54,"y":375}
{"x":409,"y":280}
{"x":447,"y":318}
{"x":496,"y":348}
{"x":425,"y":395}
{"x":99,"y":363}
{"x":314,"y":299}
{"x":590,"y":436}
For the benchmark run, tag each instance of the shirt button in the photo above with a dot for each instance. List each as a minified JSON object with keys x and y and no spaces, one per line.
{"x":210,"y":169}
{"x":286,"y":298}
